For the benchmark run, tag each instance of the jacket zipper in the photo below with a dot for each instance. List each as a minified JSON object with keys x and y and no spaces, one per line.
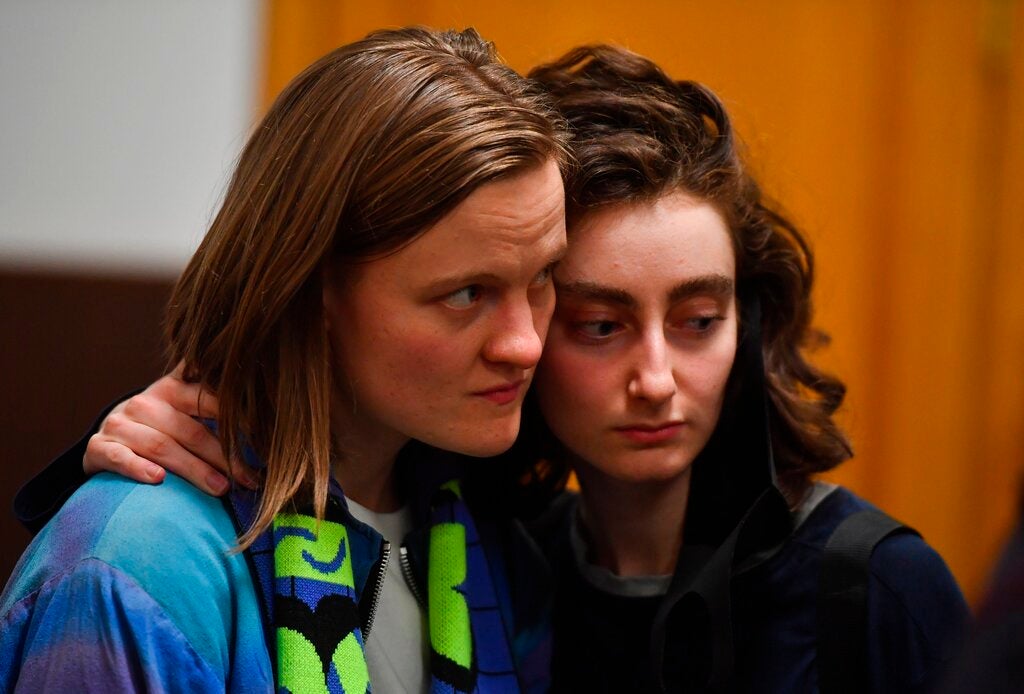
{"x":410,"y":580}
{"x":378,"y":586}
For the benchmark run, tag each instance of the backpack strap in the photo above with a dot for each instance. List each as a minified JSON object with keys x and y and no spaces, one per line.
{"x":843,"y":600}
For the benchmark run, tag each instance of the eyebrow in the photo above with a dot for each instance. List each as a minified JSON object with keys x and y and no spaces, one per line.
{"x":483,"y":277}
{"x":718,"y":286}
{"x":596,"y":292}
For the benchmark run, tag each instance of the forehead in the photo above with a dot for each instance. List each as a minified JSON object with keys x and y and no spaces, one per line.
{"x":673,"y":237}
{"x":517,"y":210}
{"x":501,"y":227}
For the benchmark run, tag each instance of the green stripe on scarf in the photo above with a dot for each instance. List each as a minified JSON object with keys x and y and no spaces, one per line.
{"x":450,"y":633}
{"x":316,"y":615}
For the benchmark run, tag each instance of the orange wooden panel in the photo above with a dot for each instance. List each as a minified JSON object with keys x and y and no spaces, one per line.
{"x":894,"y":134}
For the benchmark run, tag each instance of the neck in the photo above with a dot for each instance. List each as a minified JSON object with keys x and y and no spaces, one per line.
{"x":364,"y":464}
{"x":633,"y":528}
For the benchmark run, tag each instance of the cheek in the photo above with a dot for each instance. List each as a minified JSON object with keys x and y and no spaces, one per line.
{"x":401,"y":354}
{"x":571,"y":385}
{"x":708,"y":374}
{"x":424,"y":360}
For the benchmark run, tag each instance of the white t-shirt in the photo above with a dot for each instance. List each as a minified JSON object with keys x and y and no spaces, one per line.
{"x":396,"y":649}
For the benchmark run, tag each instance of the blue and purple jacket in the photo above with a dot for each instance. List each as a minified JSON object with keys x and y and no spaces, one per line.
{"x":134,"y":587}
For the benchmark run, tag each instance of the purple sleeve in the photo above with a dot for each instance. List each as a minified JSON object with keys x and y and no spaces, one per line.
{"x":94,"y":629}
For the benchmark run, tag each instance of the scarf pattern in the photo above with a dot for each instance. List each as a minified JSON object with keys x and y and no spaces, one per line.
{"x":320,"y":648}
{"x":469,"y":650}
{"x":319,"y":642}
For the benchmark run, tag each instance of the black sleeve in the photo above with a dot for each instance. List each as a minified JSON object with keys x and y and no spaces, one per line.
{"x":42,"y":496}
{"x":917,"y":617}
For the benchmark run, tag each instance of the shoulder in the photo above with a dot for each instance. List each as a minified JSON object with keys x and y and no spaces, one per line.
{"x":917,"y":616}
{"x":916,"y":610}
{"x":828,"y":513}
{"x":158,"y":532}
{"x":903,"y":567}
{"x":903,"y":564}
{"x":145,"y":531}
{"x":166,"y":546}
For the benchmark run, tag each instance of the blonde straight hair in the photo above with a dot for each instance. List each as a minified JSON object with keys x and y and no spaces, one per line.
{"x":361,"y":153}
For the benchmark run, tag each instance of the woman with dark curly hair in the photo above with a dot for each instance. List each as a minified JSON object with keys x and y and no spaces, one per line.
{"x":674,"y":382}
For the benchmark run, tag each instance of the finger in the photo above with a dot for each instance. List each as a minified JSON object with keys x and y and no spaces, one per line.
{"x":157,"y":447}
{"x":151,"y":411}
{"x":189,"y":398}
{"x":243,"y":474}
{"x":103,"y":455}
{"x":202,"y":443}
{"x":157,"y":414}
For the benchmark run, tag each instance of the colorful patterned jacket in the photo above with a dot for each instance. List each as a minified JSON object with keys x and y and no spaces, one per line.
{"x":88,"y":608}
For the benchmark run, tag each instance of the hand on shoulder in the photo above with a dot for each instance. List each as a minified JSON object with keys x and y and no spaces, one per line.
{"x":157,"y":431}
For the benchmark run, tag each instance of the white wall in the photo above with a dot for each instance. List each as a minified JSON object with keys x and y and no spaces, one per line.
{"x":120,"y":121}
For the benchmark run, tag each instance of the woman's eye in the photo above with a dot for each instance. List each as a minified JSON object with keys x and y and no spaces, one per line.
{"x":463,"y":298}
{"x":597,"y":329}
{"x":702,"y":324}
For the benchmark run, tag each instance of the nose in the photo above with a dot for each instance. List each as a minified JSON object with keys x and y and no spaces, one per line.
{"x":653,"y":379}
{"x":518,"y":336}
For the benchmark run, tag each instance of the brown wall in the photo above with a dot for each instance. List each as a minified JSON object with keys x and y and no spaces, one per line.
{"x":69,"y":344}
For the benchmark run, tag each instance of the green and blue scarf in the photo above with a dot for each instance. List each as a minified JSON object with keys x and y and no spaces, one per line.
{"x":316,"y":618}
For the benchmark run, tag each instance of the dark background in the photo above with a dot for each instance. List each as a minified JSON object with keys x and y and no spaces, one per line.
{"x":70,"y":344}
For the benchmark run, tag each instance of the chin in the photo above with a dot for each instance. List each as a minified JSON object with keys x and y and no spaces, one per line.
{"x":488,"y":448}
{"x":645,"y":467}
{"x":484,"y":438}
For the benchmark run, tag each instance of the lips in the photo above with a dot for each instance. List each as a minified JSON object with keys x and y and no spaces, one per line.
{"x":651,"y":434}
{"x":502,"y":394}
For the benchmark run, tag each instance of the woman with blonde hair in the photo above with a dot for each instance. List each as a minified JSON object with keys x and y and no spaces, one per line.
{"x":374,"y":289}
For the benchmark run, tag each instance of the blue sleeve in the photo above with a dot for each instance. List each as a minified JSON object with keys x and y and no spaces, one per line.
{"x":94,"y":629}
{"x":917,"y":616}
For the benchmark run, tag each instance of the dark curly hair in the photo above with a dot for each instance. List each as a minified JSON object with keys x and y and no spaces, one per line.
{"x":637,"y":135}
